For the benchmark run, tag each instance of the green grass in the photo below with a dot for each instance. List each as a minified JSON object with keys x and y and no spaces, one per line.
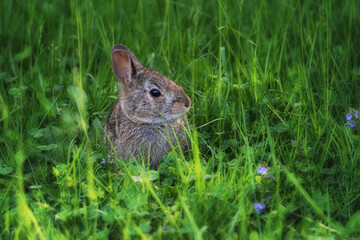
{"x":270,"y":83}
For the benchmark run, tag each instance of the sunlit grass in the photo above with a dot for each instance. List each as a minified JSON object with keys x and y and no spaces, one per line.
{"x":271,"y":83}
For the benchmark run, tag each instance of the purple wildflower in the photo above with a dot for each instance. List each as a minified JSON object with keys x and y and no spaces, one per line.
{"x":103,"y":161}
{"x":351,"y":124}
{"x":259,"y":207}
{"x":356,"y":115}
{"x":262,"y":170}
{"x":268,"y":198}
{"x":271,"y":178}
{"x":349,"y":116}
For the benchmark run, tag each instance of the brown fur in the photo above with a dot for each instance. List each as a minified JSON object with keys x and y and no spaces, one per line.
{"x":140,"y":123}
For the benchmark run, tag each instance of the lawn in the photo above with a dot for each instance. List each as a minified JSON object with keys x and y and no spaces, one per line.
{"x":272,"y":85}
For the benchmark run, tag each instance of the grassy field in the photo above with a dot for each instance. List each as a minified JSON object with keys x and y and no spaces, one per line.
{"x":271,"y":84}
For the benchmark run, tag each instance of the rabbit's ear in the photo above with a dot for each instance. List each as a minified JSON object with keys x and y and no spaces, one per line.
{"x":125,"y":64}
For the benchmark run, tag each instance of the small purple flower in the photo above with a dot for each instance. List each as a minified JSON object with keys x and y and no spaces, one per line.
{"x":103,"y":161}
{"x":356,"y":115}
{"x":351,"y":124}
{"x":349,"y":116}
{"x":271,"y":178}
{"x":268,"y":198}
{"x":259,"y":207}
{"x":262,"y":170}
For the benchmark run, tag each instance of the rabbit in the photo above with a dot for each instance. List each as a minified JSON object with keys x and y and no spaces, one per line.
{"x":150,"y":109}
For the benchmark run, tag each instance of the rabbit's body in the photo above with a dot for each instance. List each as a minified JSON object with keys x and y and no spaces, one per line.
{"x":149,"y":110}
{"x":133,"y":139}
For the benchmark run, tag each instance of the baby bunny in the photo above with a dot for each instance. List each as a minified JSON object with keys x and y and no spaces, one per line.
{"x":148,"y":114}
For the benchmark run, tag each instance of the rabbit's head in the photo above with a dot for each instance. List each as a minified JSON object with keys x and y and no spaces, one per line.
{"x":147,"y":96}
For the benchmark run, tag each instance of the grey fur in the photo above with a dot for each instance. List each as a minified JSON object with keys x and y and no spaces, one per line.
{"x":140,"y":123}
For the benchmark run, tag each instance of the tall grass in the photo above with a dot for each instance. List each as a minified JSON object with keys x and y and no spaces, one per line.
{"x":270,"y":82}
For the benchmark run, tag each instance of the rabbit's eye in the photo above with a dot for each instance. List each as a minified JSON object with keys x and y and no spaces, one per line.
{"x":155,"y":93}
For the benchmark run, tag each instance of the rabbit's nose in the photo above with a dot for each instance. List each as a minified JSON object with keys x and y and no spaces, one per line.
{"x":187,"y":104}
{"x":187,"y":101}
{"x":183,"y":99}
